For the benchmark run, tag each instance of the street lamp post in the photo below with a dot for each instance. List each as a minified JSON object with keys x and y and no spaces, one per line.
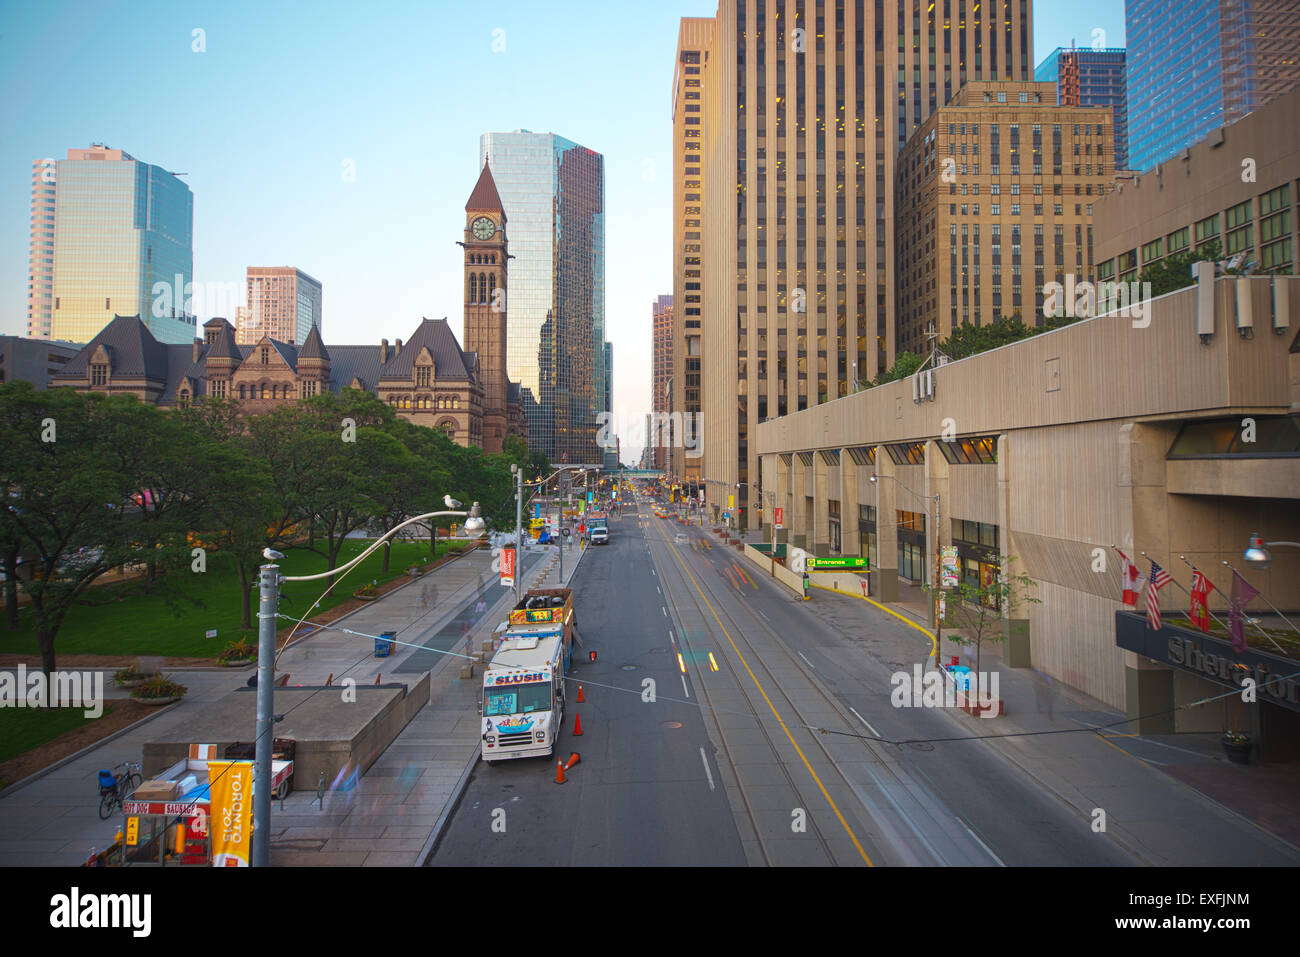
{"x":269,"y":580}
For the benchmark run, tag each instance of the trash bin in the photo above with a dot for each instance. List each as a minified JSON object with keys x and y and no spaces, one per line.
{"x":961,"y":677}
{"x":384,"y":644}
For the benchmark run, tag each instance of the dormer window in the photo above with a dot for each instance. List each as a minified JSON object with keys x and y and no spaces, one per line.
{"x":423,"y":377}
{"x":99,"y":374}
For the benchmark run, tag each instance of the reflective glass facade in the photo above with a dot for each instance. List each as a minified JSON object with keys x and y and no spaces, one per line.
{"x":1195,"y":65}
{"x":1091,"y":78}
{"x":123,"y":245}
{"x":553,"y":191}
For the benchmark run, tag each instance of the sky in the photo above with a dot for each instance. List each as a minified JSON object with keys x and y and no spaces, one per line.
{"x":286,"y":99}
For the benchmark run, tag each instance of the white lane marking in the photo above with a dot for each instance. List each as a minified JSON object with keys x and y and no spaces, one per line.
{"x":765,"y":618}
{"x":805,"y":658}
{"x":684,"y":688}
{"x":987,"y":849}
{"x":664,"y":610}
{"x":706,"y":769}
{"x":657,"y":589}
{"x":653,"y":572}
{"x":867,"y":723}
{"x":670,"y":635}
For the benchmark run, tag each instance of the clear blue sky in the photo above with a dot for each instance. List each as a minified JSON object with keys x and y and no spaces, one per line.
{"x":263,"y":121}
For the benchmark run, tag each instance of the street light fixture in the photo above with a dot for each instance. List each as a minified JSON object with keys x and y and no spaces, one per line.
{"x":1257,"y":552}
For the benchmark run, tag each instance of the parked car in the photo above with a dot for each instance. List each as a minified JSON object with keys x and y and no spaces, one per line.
{"x":600,"y":535}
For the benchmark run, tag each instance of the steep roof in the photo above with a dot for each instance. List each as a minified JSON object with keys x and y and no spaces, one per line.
{"x":313,"y":347}
{"x":485,"y":195}
{"x":133,"y":350}
{"x":449,"y":360}
{"x":223,"y":346}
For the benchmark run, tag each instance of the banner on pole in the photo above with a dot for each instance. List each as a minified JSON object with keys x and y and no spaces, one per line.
{"x":508,"y":567}
{"x":232,"y":819}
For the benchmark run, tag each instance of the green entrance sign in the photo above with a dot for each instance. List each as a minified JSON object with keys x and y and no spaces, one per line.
{"x":835,"y":564}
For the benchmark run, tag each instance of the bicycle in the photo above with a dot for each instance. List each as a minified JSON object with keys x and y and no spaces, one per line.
{"x":113,"y":787}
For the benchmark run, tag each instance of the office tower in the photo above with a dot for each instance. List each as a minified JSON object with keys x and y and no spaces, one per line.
{"x":1197,"y":65}
{"x":553,"y":192}
{"x":40,"y":253}
{"x":123,"y":234}
{"x":1091,"y":78}
{"x":999,"y":170}
{"x":805,"y":108}
{"x":694,"y":37}
{"x":661,"y":368}
{"x":283,"y":303}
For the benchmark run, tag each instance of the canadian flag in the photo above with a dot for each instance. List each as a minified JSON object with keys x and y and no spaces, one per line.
{"x":1132,"y":580}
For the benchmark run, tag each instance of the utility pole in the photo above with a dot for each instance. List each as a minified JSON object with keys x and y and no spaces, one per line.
{"x":938,"y":583}
{"x":268,"y":600}
{"x":519,"y":526}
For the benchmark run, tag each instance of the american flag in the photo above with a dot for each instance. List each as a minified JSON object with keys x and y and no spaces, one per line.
{"x":1159,"y":579}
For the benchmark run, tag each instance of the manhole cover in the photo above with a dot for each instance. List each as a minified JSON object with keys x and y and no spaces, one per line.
{"x":671,"y":724}
{"x":658,"y":651}
{"x":922,"y":746}
{"x":627,"y":667}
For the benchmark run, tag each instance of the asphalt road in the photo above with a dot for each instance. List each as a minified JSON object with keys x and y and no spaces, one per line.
{"x":640,"y":794}
{"x":763,"y":742}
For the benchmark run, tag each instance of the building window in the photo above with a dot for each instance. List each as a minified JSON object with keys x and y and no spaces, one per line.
{"x":99,"y":374}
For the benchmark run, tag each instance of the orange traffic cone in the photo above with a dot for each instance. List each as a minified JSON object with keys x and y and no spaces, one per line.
{"x":577,"y":724}
{"x":573,"y":759}
{"x":378,"y":676}
{"x":559,"y":772}
{"x":580,"y":698}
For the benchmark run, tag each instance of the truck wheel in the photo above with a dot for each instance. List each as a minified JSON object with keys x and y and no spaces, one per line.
{"x":282,"y":790}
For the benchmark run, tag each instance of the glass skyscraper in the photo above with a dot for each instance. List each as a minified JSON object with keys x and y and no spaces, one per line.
{"x":553,"y":191}
{"x":1196,"y":65}
{"x":123,"y":245}
{"x":1090,"y":77}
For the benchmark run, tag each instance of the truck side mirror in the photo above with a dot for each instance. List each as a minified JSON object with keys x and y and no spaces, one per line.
{"x":480,"y":707}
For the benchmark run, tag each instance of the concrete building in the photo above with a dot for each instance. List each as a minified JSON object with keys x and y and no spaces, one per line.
{"x":123,"y":245}
{"x":1091,"y":77}
{"x":1109,"y":431}
{"x":1238,"y":188}
{"x":686,"y":347}
{"x":283,"y":303}
{"x":804,"y":111}
{"x":996,"y":194}
{"x":662,"y":337}
{"x":1196,"y":65}
{"x":33,"y":359}
{"x":553,"y":191}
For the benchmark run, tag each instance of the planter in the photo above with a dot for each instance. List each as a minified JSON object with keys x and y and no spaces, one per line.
{"x":1238,"y":752}
{"x":158,"y":701}
{"x":131,"y":683}
{"x":238,"y":662}
{"x":360,"y":597}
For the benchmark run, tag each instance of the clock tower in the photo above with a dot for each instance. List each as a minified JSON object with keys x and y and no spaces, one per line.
{"x":485,"y":302}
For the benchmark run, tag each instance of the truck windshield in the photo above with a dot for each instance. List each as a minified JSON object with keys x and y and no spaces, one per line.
{"x":517,"y":699}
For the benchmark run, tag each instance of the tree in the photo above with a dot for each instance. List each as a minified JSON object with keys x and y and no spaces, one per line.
{"x":976,"y":607}
{"x":1175,"y":270}
{"x":905,"y":363}
{"x":71,"y":464}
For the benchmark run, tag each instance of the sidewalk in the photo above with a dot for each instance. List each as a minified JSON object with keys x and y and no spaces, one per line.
{"x":1159,"y":792}
{"x":52,"y":818}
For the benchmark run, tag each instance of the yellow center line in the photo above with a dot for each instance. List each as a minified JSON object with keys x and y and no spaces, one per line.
{"x":772,"y":708}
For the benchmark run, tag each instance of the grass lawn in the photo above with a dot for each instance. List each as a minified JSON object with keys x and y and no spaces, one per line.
{"x":125,"y":621}
{"x":22,"y":729}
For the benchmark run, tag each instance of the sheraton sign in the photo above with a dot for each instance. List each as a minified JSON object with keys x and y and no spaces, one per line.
{"x":1212,"y":658}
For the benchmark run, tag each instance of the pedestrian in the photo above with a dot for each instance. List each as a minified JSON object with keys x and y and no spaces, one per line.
{"x":480,"y":607}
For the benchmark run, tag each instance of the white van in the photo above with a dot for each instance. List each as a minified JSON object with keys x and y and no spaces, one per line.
{"x":599,"y":535}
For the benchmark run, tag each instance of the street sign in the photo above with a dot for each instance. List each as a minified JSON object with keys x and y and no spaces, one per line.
{"x":537,"y":510}
{"x":731,"y":501}
{"x":780,"y":517}
{"x":829,"y":564}
{"x":210,"y":634}
{"x":948,"y":565}
{"x":508,"y":567}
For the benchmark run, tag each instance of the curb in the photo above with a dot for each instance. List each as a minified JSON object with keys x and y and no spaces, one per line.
{"x":32,"y":778}
{"x":448,"y":809}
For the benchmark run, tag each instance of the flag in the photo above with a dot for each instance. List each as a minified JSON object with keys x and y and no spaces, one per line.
{"x":1242,"y":593}
{"x":1200,"y":611}
{"x":1132,"y":581}
{"x":1159,"y":579}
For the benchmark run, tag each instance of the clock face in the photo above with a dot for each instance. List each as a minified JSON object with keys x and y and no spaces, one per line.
{"x":483,"y":228}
